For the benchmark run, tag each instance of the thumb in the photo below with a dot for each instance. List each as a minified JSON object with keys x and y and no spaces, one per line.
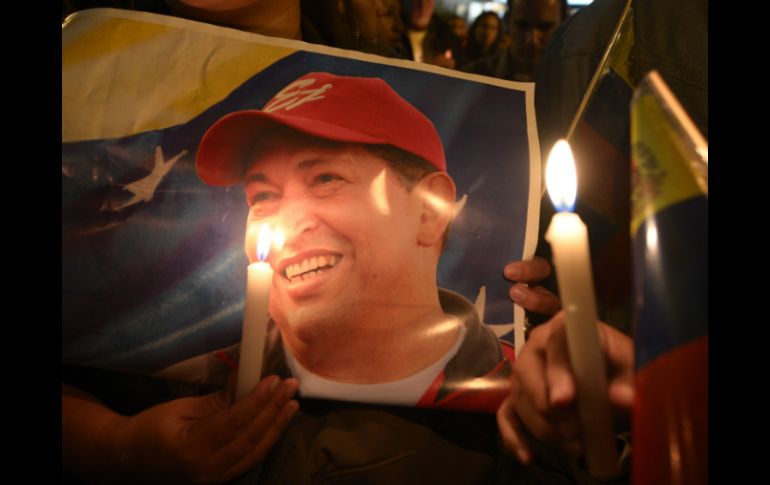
{"x":621,"y":394}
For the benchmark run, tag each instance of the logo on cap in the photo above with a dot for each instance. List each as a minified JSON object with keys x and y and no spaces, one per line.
{"x":294,"y":95}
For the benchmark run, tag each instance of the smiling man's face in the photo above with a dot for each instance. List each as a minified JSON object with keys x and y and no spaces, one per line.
{"x":350,"y":229}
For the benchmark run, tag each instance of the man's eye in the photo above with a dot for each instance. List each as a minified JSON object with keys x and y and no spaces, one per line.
{"x":326,"y":178}
{"x":260,"y":197}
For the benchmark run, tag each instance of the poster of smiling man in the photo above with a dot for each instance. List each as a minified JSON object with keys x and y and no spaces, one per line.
{"x":388,"y":196}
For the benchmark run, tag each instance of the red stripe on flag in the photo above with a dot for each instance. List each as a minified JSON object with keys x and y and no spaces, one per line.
{"x":670,"y":425}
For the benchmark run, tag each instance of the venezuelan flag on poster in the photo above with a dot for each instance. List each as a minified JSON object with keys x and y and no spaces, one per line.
{"x":151,"y":258}
{"x":143,"y":242}
{"x":670,"y":244}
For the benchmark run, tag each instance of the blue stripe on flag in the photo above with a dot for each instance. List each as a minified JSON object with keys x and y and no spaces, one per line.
{"x":671,"y":279}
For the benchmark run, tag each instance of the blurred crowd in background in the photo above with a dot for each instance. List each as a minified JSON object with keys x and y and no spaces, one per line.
{"x":500,"y":38}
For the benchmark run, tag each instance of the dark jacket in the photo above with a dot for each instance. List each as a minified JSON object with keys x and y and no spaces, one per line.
{"x":345,"y":442}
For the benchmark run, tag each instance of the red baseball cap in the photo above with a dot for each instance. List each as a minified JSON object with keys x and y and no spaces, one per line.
{"x":341,"y":108}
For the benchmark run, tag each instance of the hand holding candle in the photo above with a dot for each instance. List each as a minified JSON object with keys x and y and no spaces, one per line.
{"x":568,"y":237}
{"x":255,"y":316}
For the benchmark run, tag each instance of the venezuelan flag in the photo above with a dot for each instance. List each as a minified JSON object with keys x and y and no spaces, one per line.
{"x":669,"y":228}
{"x":599,"y":136}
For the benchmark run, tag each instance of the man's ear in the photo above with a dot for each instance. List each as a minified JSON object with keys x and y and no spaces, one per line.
{"x":436,"y":192}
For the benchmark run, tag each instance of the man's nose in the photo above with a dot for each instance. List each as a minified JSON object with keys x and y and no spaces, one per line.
{"x":296,"y":218}
{"x":535,"y":37}
{"x":529,"y":36}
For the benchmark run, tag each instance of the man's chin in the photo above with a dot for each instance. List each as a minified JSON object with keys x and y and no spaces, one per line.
{"x":310,"y":324}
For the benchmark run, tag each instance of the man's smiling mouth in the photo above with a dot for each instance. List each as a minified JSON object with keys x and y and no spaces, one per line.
{"x":311,"y":267}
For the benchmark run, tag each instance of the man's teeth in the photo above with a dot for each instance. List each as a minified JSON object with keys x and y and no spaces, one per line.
{"x":310,"y":267}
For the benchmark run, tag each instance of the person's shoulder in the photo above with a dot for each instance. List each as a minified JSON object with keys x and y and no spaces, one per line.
{"x":597,"y":11}
{"x":588,"y":29}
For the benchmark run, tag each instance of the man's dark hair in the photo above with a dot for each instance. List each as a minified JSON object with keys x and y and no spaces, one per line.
{"x":409,"y":167}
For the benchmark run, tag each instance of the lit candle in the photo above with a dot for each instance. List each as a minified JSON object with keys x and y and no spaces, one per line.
{"x":568,"y":237}
{"x":255,"y":316}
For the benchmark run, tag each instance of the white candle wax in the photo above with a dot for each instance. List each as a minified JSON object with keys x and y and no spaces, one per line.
{"x":255,"y":317}
{"x":568,"y":237}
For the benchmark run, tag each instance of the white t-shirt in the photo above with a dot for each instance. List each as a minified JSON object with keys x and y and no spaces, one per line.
{"x":404,"y":392}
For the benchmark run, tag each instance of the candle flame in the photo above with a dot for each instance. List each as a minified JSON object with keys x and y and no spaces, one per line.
{"x":561,"y":176}
{"x":263,"y":242}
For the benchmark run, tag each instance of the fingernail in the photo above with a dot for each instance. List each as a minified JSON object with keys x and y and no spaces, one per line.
{"x":517,"y":294}
{"x":291,"y":408}
{"x":523,"y":456}
{"x":274,"y":381}
{"x":561,"y":394}
{"x":557,"y":393}
{"x":292,"y":388}
{"x":512,"y":271}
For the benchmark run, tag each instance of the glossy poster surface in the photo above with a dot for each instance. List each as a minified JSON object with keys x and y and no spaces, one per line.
{"x":153,"y":261}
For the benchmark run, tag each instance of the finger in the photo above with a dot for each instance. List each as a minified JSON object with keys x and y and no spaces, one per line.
{"x":528,"y":271}
{"x":562,"y":390}
{"x":224,"y":426}
{"x":535,"y":421}
{"x":512,"y":433}
{"x":260,"y":432}
{"x":619,"y":356}
{"x":559,"y":376}
{"x":270,"y":437}
{"x":619,"y":352}
{"x":621,"y":397}
{"x":532,"y":404}
{"x":267,"y":416}
{"x":561,"y":428}
{"x":556,"y":426}
{"x":529,"y":368}
{"x":536,"y":299}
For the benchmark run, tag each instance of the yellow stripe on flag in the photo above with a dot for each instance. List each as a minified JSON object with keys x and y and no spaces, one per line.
{"x":127,"y":72}
{"x":620,"y":55}
{"x":663,"y":154}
